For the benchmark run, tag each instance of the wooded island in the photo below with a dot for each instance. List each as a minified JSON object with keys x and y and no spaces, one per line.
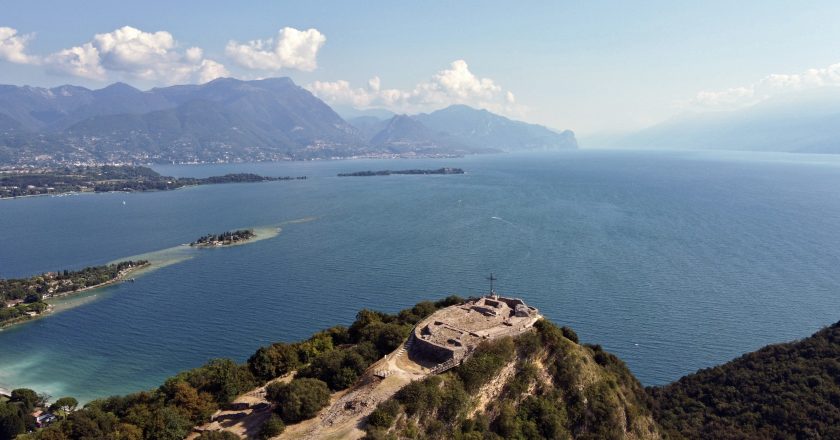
{"x":225,"y":238}
{"x":415,"y":171}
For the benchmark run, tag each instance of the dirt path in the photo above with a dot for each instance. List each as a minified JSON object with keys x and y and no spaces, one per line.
{"x":245,"y":422}
{"x":342,"y":419}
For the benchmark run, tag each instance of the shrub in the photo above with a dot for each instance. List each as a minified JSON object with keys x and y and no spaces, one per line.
{"x":273,"y":361}
{"x":224,"y":379}
{"x":385,"y":414}
{"x":273,"y":427}
{"x":217,"y":435}
{"x":486,"y":361}
{"x":341,"y":368}
{"x":454,"y":401}
{"x":385,"y":337}
{"x":569,"y":334}
{"x":300,"y":399}
{"x":450,"y":300}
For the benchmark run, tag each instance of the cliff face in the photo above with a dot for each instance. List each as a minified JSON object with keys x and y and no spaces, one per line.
{"x":542,"y":384}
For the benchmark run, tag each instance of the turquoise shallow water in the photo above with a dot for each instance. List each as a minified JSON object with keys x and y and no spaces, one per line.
{"x":673,"y":261}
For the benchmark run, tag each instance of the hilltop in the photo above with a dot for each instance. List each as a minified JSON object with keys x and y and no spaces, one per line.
{"x":530,"y":379}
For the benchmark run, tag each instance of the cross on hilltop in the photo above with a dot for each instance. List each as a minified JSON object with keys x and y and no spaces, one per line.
{"x":491,"y":278}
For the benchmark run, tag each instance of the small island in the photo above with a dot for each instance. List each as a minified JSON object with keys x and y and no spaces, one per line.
{"x":21,"y":182}
{"x":446,"y":170}
{"x":225,"y":238}
{"x":25,"y":298}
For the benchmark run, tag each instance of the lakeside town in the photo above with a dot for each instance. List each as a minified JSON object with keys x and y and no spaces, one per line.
{"x":28,"y":181}
{"x":26,"y":298}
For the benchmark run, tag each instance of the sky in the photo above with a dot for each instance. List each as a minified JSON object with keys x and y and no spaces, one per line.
{"x":595,"y":67}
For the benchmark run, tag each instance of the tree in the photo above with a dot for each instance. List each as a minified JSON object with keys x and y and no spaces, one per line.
{"x":168,"y":423}
{"x":273,"y":361}
{"x":198,"y":405}
{"x":273,"y":427}
{"x":364,"y":318}
{"x":65,"y":404}
{"x":300,"y":399}
{"x":127,"y":431}
{"x":11,"y":421}
{"x":89,"y":423}
{"x":26,"y":397}
{"x":224,"y":379}
{"x":338,"y":368}
{"x":386,"y":337}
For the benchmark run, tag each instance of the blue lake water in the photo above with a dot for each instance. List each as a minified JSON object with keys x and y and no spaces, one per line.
{"x":672,"y":260}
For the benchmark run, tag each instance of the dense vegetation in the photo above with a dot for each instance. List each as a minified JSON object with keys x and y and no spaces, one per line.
{"x":781,"y":391}
{"x":191,"y":397}
{"x":415,"y":171}
{"x":107,"y":178}
{"x":542,"y":384}
{"x":225,"y":238}
{"x":25,"y":295}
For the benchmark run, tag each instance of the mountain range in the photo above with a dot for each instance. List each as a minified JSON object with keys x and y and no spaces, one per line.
{"x":805,"y":122}
{"x":233,"y":120}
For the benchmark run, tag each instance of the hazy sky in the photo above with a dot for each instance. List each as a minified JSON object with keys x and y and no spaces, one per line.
{"x":589,"y":66}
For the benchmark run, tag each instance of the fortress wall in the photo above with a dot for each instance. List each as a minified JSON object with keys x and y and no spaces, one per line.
{"x":427,"y":350}
{"x":511,"y":302}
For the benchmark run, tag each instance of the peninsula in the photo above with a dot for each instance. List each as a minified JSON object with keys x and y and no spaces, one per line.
{"x":225,"y":238}
{"x":389,"y":172}
{"x":19,"y":182}
{"x":507,"y":372}
{"x":25,"y":298}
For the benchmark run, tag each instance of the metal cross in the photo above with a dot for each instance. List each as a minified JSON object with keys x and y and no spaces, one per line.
{"x":491,"y":278}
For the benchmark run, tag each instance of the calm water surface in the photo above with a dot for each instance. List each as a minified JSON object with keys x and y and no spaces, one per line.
{"x":673,"y":261}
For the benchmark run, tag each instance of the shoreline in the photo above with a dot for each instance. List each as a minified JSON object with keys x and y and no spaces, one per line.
{"x":81,"y":193}
{"x":121,"y":276}
{"x":155,"y":260}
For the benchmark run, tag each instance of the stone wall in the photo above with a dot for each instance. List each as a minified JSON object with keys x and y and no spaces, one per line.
{"x":430,"y":351}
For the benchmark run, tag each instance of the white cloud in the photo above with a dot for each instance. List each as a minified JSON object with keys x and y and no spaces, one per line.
{"x":209,"y":70}
{"x":292,"y":49}
{"x":455,"y":85}
{"x":13,"y":47}
{"x":80,"y":61}
{"x":126,"y":52}
{"x":767,"y":87}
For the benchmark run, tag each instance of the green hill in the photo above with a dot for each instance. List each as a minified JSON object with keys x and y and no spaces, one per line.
{"x":787,"y":390}
{"x":539,"y":384}
{"x":542,"y":384}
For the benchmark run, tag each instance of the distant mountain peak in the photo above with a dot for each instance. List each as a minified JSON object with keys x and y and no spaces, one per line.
{"x":233,"y":119}
{"x":119,"y":87}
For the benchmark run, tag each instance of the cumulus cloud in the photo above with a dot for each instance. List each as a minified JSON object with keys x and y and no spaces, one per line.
{"x":767,"y":87}
{"x":209,"y":70}
{"x":126,"y":52}
{"x":13,"y":46}
{"x":455,"y":85}
{"x":82,"y":61}
{"x":292,"y":49}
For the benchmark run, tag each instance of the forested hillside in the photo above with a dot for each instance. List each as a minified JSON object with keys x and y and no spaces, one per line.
{"x":787,"y":390}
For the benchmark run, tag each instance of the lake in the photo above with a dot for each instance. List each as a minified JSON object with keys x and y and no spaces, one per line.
{"x":674,"y":261}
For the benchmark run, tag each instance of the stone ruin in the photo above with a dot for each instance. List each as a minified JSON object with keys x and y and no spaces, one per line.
{"x":451,"y":334}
